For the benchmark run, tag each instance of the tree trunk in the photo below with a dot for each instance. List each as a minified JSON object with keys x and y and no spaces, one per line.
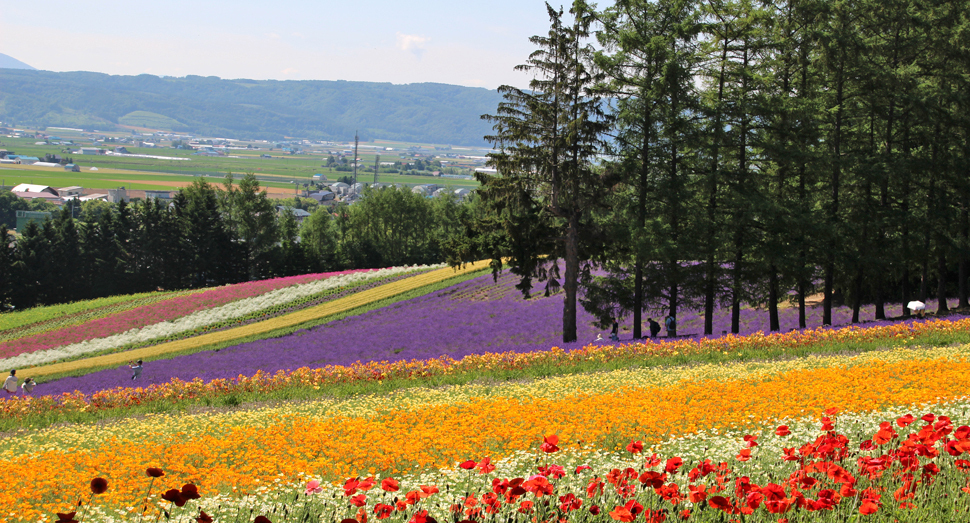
{"x":942,"y":306}
{"x":773,"y":299}
{"x":570,"y":280}
{"x":856,"y":295}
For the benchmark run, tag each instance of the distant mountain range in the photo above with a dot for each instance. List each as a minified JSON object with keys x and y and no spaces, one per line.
{"x":9,"y":62}
{"x":246,"y":109}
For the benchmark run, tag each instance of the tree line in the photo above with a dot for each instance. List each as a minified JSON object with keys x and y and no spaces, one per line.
{"x":715,"y":153}
{"x":210,"y":235}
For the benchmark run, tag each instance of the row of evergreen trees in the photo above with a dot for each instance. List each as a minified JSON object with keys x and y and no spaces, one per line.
{"x":209,"y":235}
{"x":755,"y":151}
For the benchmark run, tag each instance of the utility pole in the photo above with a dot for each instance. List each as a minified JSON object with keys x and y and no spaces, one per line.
{"x":356,"y":140}
{"x":377,"y":166}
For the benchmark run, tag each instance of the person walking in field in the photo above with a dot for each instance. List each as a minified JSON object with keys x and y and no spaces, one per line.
{"x":10,"y":384}
{"x":671,"y":324}
{"x":615,"y":333}
{"x":28,"y":386}
{"x":136,"y":369}
{"x":654,"y":327}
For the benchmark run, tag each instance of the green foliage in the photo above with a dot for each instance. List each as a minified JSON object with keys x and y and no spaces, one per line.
{"x":547,"y":140}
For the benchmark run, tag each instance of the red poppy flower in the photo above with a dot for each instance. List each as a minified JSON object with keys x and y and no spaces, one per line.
{"x":622,"y":514}
{"x":383,"y":510}
{"x":582,"y":468}
{"x":190,"y":491}
{"x":832,"y":411}
{"x":697,"y":494}
{"x":419,"y":517}
{"x":468,"y":465}
{"x":203,"y":517}
{"x":672,"y":465}
{"x":525,"y":507}
{"x":390,"y":485}
{"x":359,"y":500}
{"x":929,"y":418}
{"x":635,"y":447}
{"x":905,"y":420}
{"x":782,"y":431}
{"x":350,"y":486}
{"x":485,"y":465}
{"x":66,"y":518}
{"x":154,"y":472}
{"x":594,"y":510}
{"x":174,"y":496}
{"x":720,"y":503}
{"x":428,"y":490}
{"x":752,"y":441}
{"x":262,"y":519}
{"x":868,"y":506}
{"x":549,"y":444}
{"x":99,"y":485}
{"x":962,"y":432}
{"x":652,"y":479}
{"x":744,"y":455}
{"x":569,"y":502}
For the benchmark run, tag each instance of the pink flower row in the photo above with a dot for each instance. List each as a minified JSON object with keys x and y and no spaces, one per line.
{"x":150,"y":314}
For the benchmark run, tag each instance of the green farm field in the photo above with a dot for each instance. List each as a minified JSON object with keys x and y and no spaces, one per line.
{"x":278,"y":174}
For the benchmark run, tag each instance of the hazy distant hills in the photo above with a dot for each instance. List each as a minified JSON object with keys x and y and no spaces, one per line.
{"x":256,"y":109}
{"x":9,"y":62}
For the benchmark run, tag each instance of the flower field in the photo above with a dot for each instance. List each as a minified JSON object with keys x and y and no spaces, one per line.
{"x":268,"y":326}
{"x":851,"y":423}
{"x":199,"y":320}
{"x":469,"y":318}
{"x":258,"y":457}
{"x":136,"y":319}
{"x":40,"y":319}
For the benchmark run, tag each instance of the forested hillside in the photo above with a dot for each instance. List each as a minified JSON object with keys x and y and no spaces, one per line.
{"x":427,"y":113}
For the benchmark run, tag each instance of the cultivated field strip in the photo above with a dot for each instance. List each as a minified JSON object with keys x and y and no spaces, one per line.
{"x":87,"y":314}
{"x":290,"y":320}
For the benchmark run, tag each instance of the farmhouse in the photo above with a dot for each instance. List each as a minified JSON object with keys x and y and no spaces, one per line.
{"x":72,"y":167}
{"x":90,"y":150}
{"x":158,"y":195}
{"x":67,"y":192}
{"x":29,"y":191}
{"x":322,"y":196}
{"x":298,"y":214}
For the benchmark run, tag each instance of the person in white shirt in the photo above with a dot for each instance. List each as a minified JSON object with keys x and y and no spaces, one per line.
{"x":10,"y":384}
{"x":28,"y":386}
{"x":136,"y":369}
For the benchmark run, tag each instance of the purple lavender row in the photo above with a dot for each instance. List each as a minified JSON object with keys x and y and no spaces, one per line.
{"x":473,"y":317}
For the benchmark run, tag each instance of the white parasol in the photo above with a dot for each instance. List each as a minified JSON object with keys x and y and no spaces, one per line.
{"x":916,"y":306}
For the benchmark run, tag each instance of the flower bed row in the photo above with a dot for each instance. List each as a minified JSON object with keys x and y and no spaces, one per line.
{"x":89,"y":315}
{"x":165,"y":310}
{"x":419,"y":430}
{"x":267,"y":382}
{"x":902,"y":467}
{"x":40,"y":319}
{"x":262,"y":328}
{"x":217,"y":317}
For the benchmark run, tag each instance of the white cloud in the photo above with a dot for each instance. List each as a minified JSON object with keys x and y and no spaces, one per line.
{"x":412,"y":43}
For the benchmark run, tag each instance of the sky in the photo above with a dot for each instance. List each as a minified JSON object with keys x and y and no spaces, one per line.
{"x":472,"y":43}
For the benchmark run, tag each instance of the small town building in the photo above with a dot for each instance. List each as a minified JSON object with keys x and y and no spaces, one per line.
{"x":158,"y":195}
{"x":68,"y":192}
